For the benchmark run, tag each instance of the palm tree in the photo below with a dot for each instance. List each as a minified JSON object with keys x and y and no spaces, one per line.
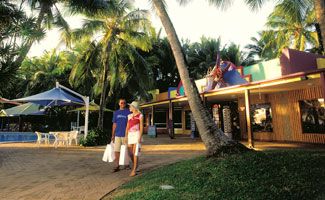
{"x":294,"y":29}
{"x":15,"y":27}
{"x":320,"y":16}
{"x":161,"y":60}
{"x":48,"y":15}
{"x":318,"y":6}
{"x":214,"y":139}
{"x":40,"y":74}
{"x":122,"y":33}
{"x":202,"y":55}
{"x":87,"y":67}
{"x":262,"y":47}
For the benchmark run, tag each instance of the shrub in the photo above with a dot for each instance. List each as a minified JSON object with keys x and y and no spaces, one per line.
{"x":95,"y":137}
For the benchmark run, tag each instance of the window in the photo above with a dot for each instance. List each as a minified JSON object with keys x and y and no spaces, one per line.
{"x":177,"y":118}
{"x":160,"y":119}
{"x":261,"y":118}
{"x":312,"y":116}
{"x":188,"y":120}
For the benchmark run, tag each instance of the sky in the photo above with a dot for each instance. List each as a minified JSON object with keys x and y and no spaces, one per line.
{"x":236,"y":24}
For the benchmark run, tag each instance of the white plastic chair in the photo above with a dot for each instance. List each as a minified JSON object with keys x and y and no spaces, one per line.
{"x":81,"y":129}
{"x":62,"y":137}
{"x":42,"y":137}
{"x":73,"y":135}
{"x":73,"y":125}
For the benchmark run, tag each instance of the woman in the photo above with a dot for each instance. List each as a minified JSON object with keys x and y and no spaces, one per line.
{"x":133,"y":133}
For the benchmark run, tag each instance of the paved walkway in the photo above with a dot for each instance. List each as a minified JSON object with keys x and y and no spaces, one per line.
{"x":29,"y":172}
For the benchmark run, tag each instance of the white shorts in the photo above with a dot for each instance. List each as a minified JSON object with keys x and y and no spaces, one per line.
{"x":133,"y":137}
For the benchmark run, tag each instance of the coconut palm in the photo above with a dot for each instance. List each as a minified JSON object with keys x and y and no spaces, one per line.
{"x":294,"y":29}
{"x":120,"y":32}
{"x":202,"y":55}
{"x":87,"y":67}
{"x":48,"y":15}
{"x":15,"y":27}
{"x":320,"y":16}
{"x":289,"y":7}
{"x":262,"y":47}
{"x":215,"y":140}
{"x":161,"y":60}
{"x":40,"y":74}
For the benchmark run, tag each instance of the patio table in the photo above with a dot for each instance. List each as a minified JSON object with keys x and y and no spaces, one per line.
{"x":60,"y":136}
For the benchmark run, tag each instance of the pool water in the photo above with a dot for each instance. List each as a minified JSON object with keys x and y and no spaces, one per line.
{"x":6,"y":137}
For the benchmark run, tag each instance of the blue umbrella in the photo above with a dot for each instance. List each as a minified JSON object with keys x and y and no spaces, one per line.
{"x":53,"y":97}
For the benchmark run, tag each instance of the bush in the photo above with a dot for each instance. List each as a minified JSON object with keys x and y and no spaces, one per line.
{"x":95,"y":137}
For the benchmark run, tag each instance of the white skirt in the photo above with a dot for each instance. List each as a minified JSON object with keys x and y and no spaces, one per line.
{"x":133,"y":137}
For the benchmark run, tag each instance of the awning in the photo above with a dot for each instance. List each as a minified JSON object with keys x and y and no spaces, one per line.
{"x":60,"y":96}
{"x":24,"y":109}
{"x":53,"y":97}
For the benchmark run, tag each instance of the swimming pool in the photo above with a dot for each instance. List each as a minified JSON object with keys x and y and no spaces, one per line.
{"x":7,"y":137}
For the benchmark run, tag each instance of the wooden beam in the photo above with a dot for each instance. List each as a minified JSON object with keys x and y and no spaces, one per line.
{"x":248,"y":120}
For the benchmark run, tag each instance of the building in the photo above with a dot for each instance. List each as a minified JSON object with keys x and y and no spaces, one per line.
{"x":283,"y":100}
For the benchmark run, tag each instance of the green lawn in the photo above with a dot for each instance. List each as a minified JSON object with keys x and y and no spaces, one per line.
{"x":291,"y":174}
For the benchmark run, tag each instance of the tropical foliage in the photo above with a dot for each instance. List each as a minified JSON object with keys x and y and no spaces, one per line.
{"x":41,"y":73}
{"x":15,"y":28}
{"x":113,"y":59}
{"x":46,"y":15}
{"x":202,"y":55}
{"x":262,"y":47}
{"x":293,"y":26}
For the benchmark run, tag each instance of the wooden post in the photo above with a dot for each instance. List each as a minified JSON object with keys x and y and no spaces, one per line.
{"x":171,"y":131}
{"x":322,"y":82}
{"x":20,"y":124}
{"x":152,"y":115}
{"x":248,"y":120}
{"x":8,"y":122}
{"x":1,"y":123}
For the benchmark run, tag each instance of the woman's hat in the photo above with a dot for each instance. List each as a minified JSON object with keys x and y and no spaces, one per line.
{"x":135,"y":105}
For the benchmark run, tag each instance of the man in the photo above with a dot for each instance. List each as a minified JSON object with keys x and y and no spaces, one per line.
{"x":120,"y":119}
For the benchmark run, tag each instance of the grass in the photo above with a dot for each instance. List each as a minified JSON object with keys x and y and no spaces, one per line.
{"x":291,"y":174}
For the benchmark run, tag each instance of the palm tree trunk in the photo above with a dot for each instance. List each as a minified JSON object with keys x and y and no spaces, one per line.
{"x":29,"y":43}
{"x":216,"y":142}
{"x":320,"y":16}
{"x":100,"y":123}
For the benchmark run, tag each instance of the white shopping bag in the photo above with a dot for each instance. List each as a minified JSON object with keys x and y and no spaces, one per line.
{"x":137,"y":149}
{"x":124,"y":155}
{"x":109,"y":155}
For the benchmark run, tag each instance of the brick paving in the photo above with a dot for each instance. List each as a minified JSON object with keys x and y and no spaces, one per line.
{"x":31,"y":172}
